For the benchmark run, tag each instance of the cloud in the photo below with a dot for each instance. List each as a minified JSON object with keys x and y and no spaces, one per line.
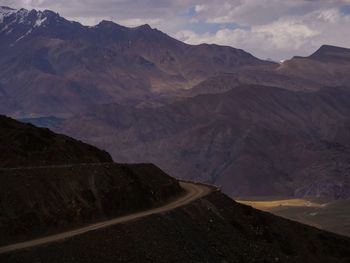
{"x":267,"y":28}
{"x":201,"y":8}
{"x":295,"y":33}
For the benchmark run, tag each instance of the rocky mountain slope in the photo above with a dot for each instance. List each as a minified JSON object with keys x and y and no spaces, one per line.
{"x":212,"y":229}
{"x":290,"y":140}
{"x":252,"y":140}
{"x":74,"y":184}
{"x":123,"y":89}
{"x":49,"y":65}
{"x":328,"y":66}
{"x":24,"y":145}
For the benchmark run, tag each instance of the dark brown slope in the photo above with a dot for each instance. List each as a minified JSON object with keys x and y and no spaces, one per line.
{"x":252,"y":140}
{"x":61,"y":67}
{"x":263,"y":77}
{"x":40,"y":201}
{"x":328,"y":66}
{"x":24,"y":145}
{"x":332,"y":53}
{"x":212,"y":229}
{"x":50,"y":183}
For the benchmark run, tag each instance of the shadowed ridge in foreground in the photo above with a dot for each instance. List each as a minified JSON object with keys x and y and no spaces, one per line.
{"x":26,"y":145}
{"x":192,"y":192}
{"x":211,"y":229}
{"x":199,"y":226}
{"x":51,"y":183}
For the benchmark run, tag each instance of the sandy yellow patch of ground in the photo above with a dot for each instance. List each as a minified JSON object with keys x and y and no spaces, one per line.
{"x":271,"y":205}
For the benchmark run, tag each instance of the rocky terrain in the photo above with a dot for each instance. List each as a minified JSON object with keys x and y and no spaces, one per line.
{"x":211,"y":113}
{"x":251,"y":140}
{"x":24,"y":145}
{"x":328,"y":66}
{"x":206,"y":113}
{"x":212,"y":229}
{"x":67,"y":66}
{"x":40,"y":201}
{"x":75,"y":183}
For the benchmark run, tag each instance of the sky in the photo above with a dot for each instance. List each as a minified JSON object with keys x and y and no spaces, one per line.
{"x":275,"y":29}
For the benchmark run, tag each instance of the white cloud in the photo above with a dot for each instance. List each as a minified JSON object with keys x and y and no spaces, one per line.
{"x":285,"y":34}
{"x":133,"y":22}
{"x":284,"y":37}
{"x":330,"y":16}
{"x":200,"y":8}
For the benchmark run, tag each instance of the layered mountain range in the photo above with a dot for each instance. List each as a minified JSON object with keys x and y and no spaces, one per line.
{"x":53,"y":66}
{"x":207,"y":112}
{"x":252,"y":140}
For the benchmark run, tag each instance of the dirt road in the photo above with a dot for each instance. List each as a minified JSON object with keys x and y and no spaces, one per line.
{"x":193,"y":192}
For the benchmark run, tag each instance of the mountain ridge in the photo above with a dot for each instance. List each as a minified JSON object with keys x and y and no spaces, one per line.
{"x":65,"y":70}
{"x":235,"y":139}
{"x":106,"y":63}
{"x":24,"y":145}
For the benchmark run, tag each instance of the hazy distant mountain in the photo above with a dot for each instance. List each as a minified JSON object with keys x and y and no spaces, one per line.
{"x":49,"y":65}
{"x":329,"y":65}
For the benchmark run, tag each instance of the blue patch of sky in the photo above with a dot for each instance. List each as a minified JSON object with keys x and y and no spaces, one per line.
{"x":191,"y":12}
{"x":201,"y":27}
{"x":345,"y":9}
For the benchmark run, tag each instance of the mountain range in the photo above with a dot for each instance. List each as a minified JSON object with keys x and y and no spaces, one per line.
{"x":251,"y":140}
{"x":67,"y":66}
{"x":207,"y":112}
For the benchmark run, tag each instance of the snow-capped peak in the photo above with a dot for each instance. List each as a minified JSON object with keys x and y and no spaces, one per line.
{"x":40,"y":19}
{"x":22,"y":16}
{"x":29,"y":20}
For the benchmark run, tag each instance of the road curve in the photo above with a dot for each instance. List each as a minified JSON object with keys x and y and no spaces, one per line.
{"x":193,"y":192}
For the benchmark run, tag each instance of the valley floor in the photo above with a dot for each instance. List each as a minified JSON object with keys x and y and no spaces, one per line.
{"x":331,"y":216}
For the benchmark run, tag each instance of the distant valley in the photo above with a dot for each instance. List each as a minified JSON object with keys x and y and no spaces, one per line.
{"x":332,"y":216}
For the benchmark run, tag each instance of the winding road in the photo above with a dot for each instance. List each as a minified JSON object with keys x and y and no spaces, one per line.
{"x":193,"y":192}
